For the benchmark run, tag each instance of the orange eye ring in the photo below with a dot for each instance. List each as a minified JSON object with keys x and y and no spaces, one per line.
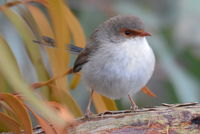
{"x":130,"y":33}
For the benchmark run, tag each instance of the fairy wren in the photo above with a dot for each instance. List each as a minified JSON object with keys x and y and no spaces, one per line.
{"x":117,"y":60}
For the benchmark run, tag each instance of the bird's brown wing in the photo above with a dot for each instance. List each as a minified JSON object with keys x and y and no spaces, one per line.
{"x":83,"y":58}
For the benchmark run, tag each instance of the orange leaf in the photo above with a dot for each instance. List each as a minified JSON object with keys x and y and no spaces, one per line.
{"x":20,"y":111}
{"x":41,"y":21}
{"x":6,"y":109}
{"x":74,"y":27}
{"x":77,"y":34}
{"x":147,"y":91}
{"x":52,"y":128}
{"x":60,"y":59}
{"x":64,"y":114}
{"x":62,"y":111}
{"x":58,"y":56}
{"x":47,"y":127}
{"x":9,"y":123}
{"x":13,"y":3}
{"x":43,"y":2}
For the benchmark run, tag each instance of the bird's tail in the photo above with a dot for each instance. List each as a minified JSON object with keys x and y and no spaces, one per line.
{"x":50,"y":42}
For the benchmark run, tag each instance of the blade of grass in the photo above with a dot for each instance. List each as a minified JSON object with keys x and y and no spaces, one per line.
{"x":30,"y":21}
{"x":43,"y":2}
{"x":9,"y":70}
{"x":31,"y":17}
{"x":16,"y":2}
{"x":4,"y":85}
{"x":27,"y":36}
{"x":7,"y":110}
{"x":5,"y":46}
{"x":78,"y":37}
{"x":74,"y":27}
{"x":60,"y":59}
{"x":41,"y":21}
{"x":46,"y":29}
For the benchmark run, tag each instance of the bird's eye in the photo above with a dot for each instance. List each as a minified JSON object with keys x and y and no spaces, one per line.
{"x":128,"y":32}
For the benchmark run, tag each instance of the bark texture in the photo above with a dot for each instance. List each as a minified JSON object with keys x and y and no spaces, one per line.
{"x":166,"y":119}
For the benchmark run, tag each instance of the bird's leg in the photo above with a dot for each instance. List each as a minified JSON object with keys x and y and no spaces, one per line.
{"x":88,"y":113}
{"x":133,"y":105}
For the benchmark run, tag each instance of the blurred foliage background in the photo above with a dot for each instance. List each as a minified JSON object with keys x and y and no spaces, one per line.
{"x":175,"y":39}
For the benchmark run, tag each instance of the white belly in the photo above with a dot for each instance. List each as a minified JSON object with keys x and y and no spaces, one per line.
{"x":121,"y":70}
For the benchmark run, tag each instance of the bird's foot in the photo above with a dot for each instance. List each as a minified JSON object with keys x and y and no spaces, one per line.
{"x":88,"y":114}
{"x":134,"y":107}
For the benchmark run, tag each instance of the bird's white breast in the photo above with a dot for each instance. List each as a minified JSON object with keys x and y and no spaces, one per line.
{"x":115,"y":70}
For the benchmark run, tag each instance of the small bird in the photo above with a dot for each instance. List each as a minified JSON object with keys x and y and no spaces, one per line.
{"x":117,"y":60}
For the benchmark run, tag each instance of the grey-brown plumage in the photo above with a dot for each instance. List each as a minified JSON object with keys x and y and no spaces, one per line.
{"x":83,"y":58}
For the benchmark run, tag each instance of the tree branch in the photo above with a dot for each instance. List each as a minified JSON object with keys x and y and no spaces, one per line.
{"x":166,"y":119}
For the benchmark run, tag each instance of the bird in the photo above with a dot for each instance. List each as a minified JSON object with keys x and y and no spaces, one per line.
{"x":117,"y":60}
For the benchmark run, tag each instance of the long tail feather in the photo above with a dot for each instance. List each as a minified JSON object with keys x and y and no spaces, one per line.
{"x":50,"y":42}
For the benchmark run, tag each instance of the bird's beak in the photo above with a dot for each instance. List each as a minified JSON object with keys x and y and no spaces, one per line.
{"x":143,"y":34}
